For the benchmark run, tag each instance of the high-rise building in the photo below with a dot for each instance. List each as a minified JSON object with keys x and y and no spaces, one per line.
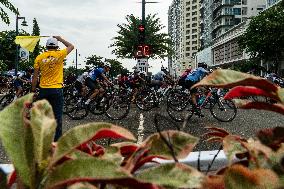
{"x":206,"y":23}
{"x":228,"y":13}
{"x":184,"y":31}
{"x":174,"y":30}
{"x":271,"y":2}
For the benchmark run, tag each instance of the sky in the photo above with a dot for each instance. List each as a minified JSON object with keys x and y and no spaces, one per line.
{"x":88,"y":24}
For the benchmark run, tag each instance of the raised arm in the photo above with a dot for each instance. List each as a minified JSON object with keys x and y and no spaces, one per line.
{"x":69,"y":46}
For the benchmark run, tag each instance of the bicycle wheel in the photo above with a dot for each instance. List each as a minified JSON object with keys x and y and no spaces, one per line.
{"x":78,"y":110}
{"x":6,"y":100}
{"x":178,"y":99}
{"x":119,"y":107}
{"x":99,"y":108}
{"x":223,"y":110}
{"x":180,"y":113}
{"x":68,"y":102}
{"x":145,"y":100}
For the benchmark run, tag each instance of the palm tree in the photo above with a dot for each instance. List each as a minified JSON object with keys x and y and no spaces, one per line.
{"x":3,"y":14}
{"x":128,"y":38}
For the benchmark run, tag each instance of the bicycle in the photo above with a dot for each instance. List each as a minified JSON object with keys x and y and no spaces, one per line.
{"x":77,"y":109}
{"x":183,"y":108}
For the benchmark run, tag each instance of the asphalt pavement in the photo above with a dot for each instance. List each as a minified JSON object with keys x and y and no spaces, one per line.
{"x":141,"y":124}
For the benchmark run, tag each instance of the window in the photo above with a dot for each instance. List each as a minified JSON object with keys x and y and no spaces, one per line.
{"x":194,"y":1}
{"x":194,"y":7}
{"x":187,"y":54}
{"x":194,"y":13}
{"x":187,"y":37}
{"x":194,"y":36}
{"x":194,"y":25}
{"x":194,"y":42}
{"x":194,"y":48}
{"x":187,"y":20}
{"x":194,"y":30}
{"x":187,"y":15}
{"x":194,"y":19}
{"x":187,"y":3}
{"x":187,"y":43}
{"x":187,"y":49}
{"x":188,"y":9}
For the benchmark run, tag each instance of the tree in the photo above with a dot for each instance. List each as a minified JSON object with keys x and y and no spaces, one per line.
{"x":8,"y":47}
{"x":264,"y":37}
{"x":4,"y":16}
{"x":127,"y":41}
{"x":116,"y":67}
{"x":94,"y":61}
{"x":36,"y":32}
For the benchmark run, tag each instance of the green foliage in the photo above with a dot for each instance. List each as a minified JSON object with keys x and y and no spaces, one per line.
{"x":3,"y":66}
{"x":37,"y":50}
{"x":72,"y":70}
{"x":3,"y":14}
{"x":8,"y":47}
{"x":126,"y":42}
{"x":94,"y":61}
{"x":264,"y":38}
{"x":116,"y":67}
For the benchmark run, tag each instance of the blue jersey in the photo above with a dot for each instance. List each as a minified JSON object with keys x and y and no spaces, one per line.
{"x":95,"y":73}
{"x":196,"y":74}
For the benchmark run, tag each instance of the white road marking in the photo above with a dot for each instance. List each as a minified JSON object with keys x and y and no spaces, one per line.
{"x":140,"y":129}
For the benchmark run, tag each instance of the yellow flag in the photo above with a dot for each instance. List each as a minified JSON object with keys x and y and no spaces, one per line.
{"x":27,"y":42}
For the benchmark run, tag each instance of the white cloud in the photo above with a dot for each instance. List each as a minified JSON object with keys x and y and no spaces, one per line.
{"x":89,"y":24}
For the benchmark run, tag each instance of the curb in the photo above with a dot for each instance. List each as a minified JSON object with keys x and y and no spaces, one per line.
{"x":206,"y":158}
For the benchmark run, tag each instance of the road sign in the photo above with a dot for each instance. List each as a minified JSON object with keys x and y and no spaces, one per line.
{"x":24,"y":54}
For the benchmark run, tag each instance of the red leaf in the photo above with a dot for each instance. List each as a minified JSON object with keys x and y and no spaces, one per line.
{"x":108,"y":133}
{"x":148,"y":159}
{"x":279,"y":108}
{"x":217,"y":129}
{"x":128,"y":150}
{"x":12,"y":179}
{"x":272,"y":137}
{"x":217,"y":134}
{"x":244,"y":91}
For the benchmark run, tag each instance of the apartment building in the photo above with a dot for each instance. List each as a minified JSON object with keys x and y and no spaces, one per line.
{"x":184,"y":31}
{"x":271,"y":2}
{"x":228,"y":13}
{"x":206,"y":23}
{"x":174,"y":31}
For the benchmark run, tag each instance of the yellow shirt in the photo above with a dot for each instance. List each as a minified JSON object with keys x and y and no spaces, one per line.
{"x":50,"y":65}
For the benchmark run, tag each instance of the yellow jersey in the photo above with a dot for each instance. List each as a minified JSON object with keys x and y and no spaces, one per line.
{"x":50,"y":65}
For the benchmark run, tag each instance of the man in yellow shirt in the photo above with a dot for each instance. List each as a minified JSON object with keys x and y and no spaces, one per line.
{"x":49,"y":65}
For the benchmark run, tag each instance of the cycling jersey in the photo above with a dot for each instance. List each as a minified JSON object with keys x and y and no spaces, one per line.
{"x":196,"y":75}
{"x":82,"y":77}
{"x":95,"y":73}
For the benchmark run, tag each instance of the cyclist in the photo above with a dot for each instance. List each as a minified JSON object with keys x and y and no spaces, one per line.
{"x":182,"y":78}
{"x":92,"y":81}
{"x":160,"y":77}
{"x":80,"y":83}
{"x":135,"y":83}
{"x":20,"y":80}
{"x":194,"y":77}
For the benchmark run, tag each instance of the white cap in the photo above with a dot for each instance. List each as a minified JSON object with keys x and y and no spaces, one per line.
{"x":52,"y":42}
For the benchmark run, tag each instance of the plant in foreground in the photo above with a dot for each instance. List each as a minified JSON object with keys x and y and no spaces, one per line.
{"x":77,"y":161}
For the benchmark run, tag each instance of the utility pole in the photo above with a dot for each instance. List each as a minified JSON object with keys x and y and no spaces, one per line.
{"x":76,"y":62}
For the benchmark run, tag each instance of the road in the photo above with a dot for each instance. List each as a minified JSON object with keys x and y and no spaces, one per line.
{"x":141,"y":124}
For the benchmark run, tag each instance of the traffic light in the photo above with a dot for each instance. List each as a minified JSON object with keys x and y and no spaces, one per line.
{"x":141,"y":36}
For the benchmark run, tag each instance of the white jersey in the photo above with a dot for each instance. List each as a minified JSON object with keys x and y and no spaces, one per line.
{"x":82,"y":77}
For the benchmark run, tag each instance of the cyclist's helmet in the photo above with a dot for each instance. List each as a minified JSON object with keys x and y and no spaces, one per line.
{"x":136,"y":71}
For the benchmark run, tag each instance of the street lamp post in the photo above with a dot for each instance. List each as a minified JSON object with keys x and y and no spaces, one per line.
{"x":24,"y":23}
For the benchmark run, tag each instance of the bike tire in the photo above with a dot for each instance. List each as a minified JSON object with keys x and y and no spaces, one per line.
{"x":119,"y":108}
{"x":100,"y":109}
{"x":6,"y":100}
{"x":181,"y":113}
{"x":223,"y":110}
{"x":79,"y":110}
{"x":145,"y":100}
